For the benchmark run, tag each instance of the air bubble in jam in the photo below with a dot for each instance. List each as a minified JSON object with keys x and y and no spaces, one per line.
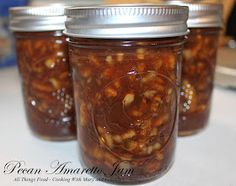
{"x":33,"y":103}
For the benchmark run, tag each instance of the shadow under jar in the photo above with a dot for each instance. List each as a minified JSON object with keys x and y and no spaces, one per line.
{"x":42,"y":58}
{"x":199,"y":61}
{"x":126,"y":86}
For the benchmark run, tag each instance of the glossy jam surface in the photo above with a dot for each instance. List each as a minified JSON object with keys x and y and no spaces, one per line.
{"x":126,"y":97}
{"x":47,"y":85}
{"x":199,"y":60}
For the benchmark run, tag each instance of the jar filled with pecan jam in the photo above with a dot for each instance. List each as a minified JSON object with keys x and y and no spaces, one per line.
{"x":199,"y":60}
{"x":126,"y":63}
{"x":43,"y":64}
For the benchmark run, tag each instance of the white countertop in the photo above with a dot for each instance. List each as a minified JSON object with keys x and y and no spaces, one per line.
{"x":206,"y":159}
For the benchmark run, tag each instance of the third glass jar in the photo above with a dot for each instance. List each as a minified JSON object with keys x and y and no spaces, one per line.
{"x":199,"y":60}
{"x":42,"y":59}
{"x":126,"y":63}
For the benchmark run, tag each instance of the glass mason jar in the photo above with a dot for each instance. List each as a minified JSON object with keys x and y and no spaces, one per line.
{"x":199,"y":61}
{"x":126,"y":63}
{"x":42,"y":58}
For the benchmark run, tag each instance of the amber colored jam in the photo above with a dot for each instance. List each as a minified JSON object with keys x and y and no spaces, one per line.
{"x":126,"y":99}
{"x":47,"y":85}
{"x":199,"y":60}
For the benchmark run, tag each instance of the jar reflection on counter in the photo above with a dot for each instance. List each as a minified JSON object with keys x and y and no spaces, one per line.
{"x":42,"y":58}
{"x":126,"y":89}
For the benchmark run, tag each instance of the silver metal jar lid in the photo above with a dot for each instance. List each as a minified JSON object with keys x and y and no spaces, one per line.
{"x":64,"y":2}
{"x":33,"y":19}
{"x":127,"y":21}
{"x":202,"y":14}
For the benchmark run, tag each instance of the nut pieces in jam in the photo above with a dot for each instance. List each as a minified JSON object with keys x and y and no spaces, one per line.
{"x":47,"y":84}
{"x":42,"y":57}
{"x":199,"y":61}
{"x":126,"y":100}
{"x":126,"y":74}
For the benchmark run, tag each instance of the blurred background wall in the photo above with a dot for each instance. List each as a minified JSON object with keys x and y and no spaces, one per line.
{"x":7,"y":55}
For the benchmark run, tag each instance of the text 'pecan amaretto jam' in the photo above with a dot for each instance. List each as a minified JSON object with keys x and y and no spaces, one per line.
{"x":199,"y":60}
{"x":43,"y":64}
{"x":126,"y":64}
